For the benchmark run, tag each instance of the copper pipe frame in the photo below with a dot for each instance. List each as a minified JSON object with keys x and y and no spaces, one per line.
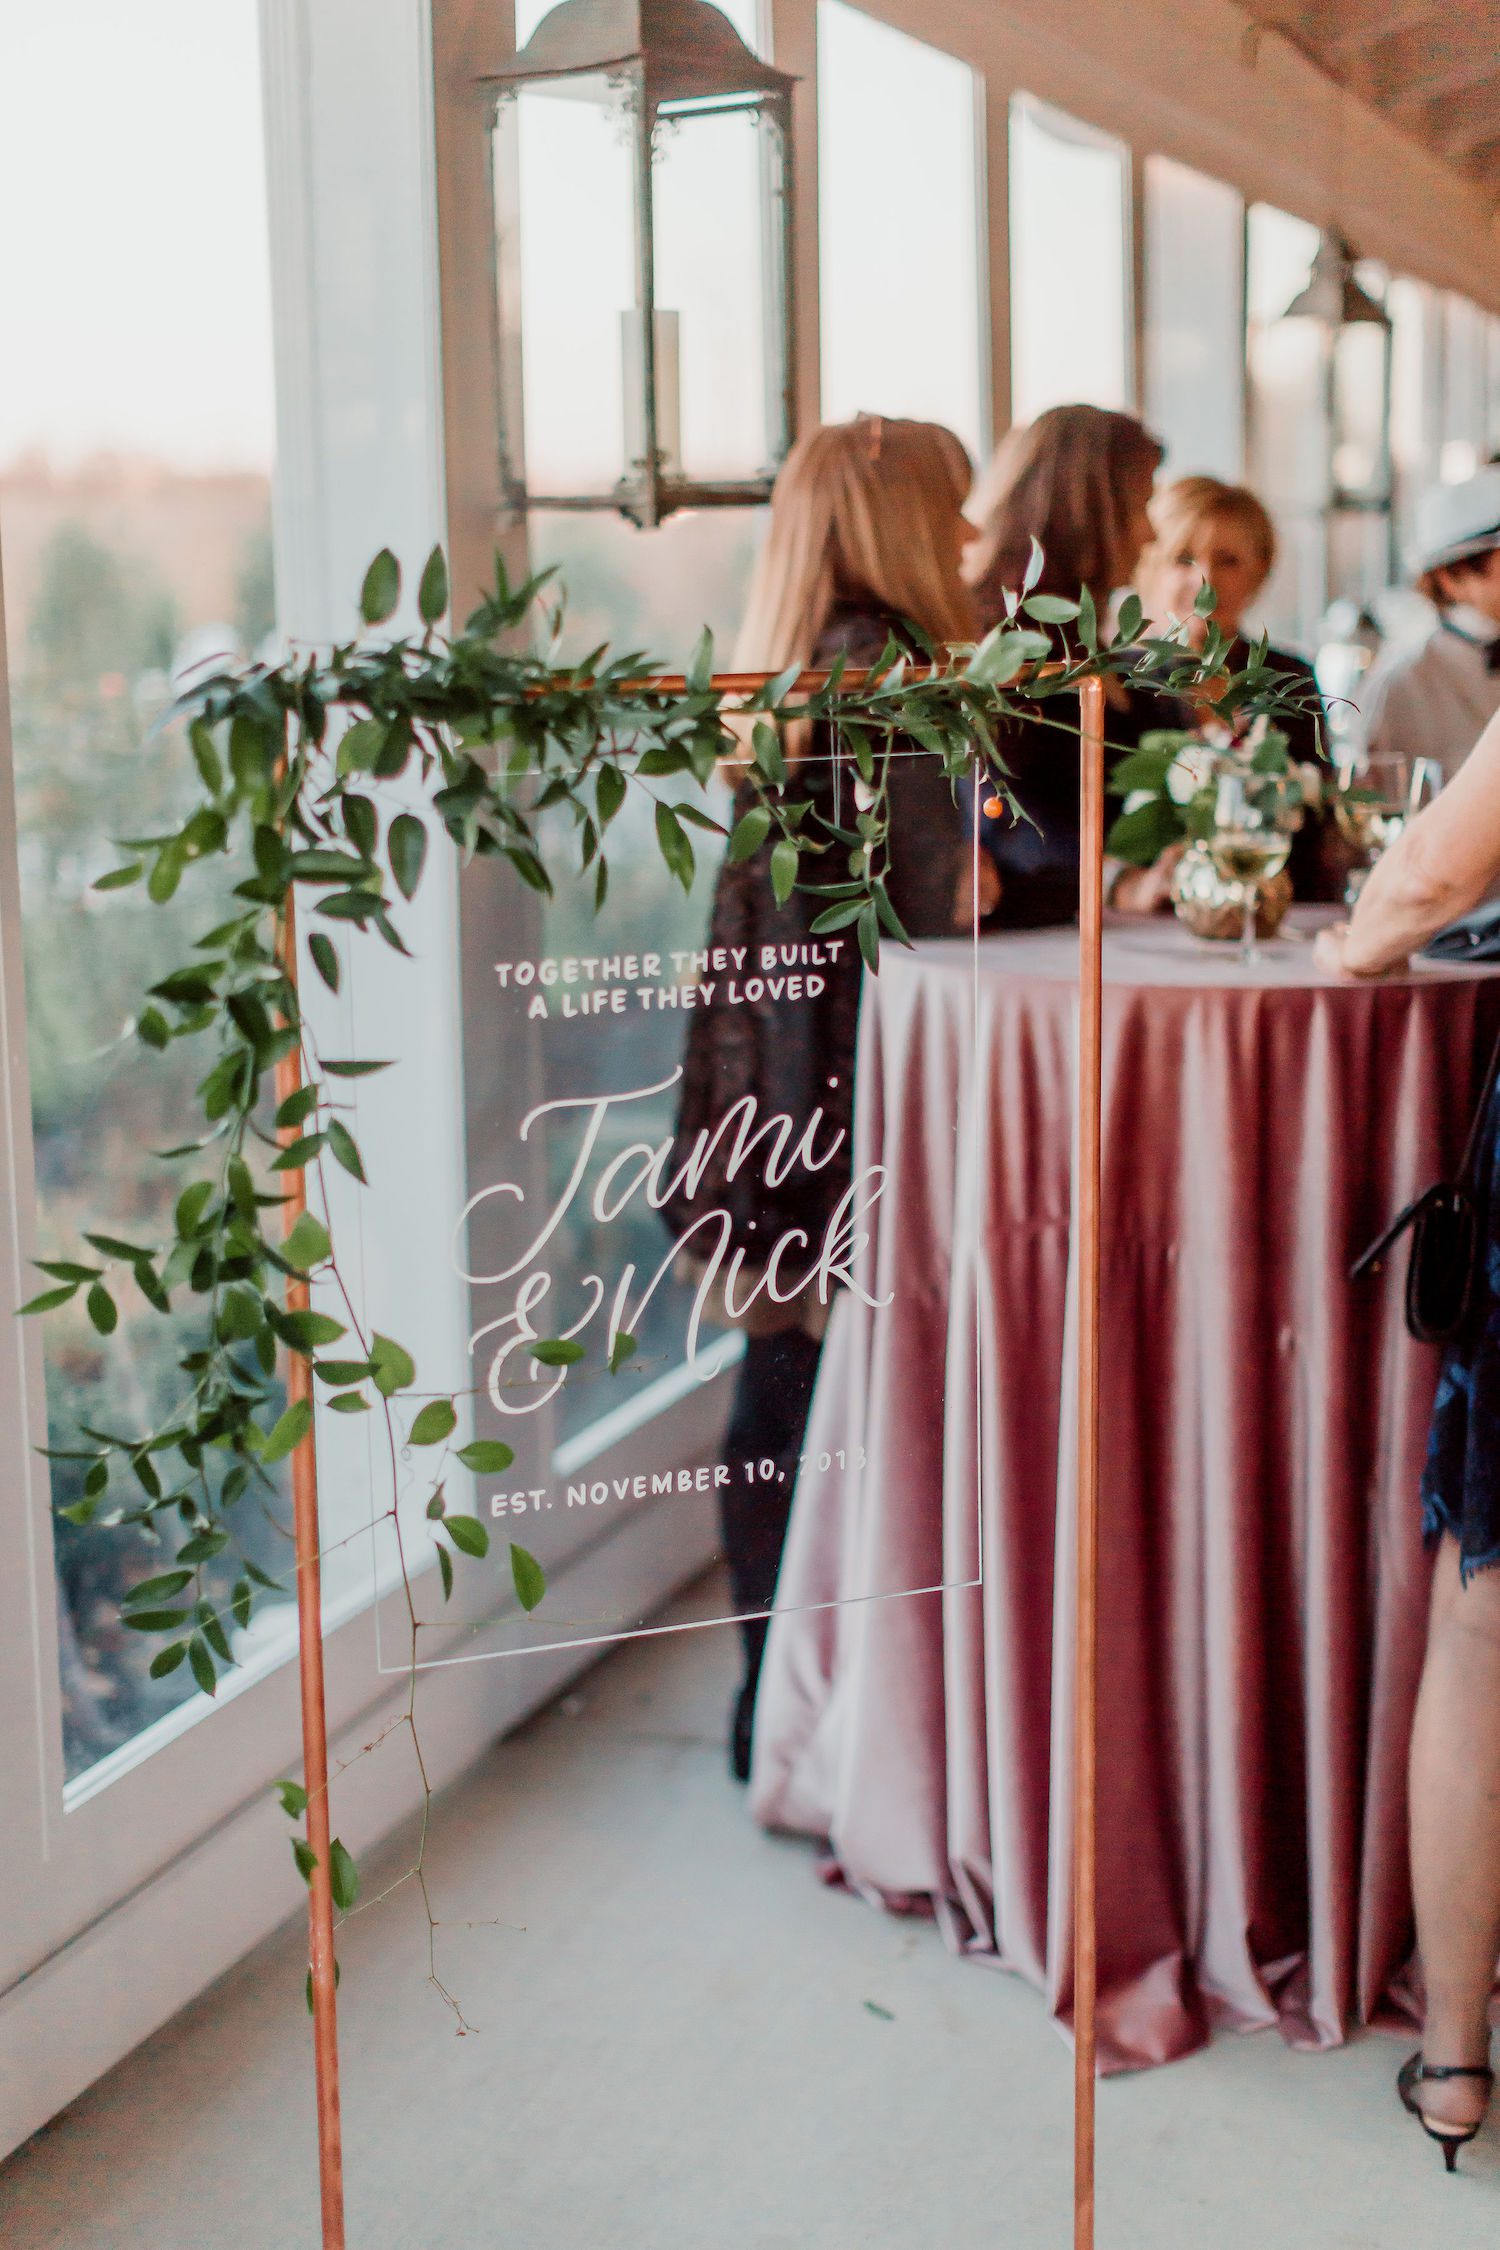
{"x":307,"y":1537}
{"x":308,"y":1544}
{"x":1087,"y":1198}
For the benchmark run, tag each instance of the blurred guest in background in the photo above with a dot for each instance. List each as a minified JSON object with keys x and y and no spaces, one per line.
{"x":1440,"y":867}
{"x":1208,"y":533}
{"x":1434,"y":700}
{"x":1078,"y":480}
{"x":865,"y":536}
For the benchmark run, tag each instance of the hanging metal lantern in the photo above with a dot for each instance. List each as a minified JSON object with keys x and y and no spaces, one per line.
{"x":643,"y":200}
{"x":1356,"y":331}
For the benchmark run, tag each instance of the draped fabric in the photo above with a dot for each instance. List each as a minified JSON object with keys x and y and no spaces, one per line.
{"x":1263,"y":1583}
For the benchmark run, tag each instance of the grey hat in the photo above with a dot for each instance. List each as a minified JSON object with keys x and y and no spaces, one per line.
{"x":1457,"y":521}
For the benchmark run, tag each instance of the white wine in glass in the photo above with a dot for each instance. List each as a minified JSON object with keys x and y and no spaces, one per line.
{"x":1252,"y":838}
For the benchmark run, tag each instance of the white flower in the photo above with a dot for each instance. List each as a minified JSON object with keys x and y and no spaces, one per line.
{"x":1190,"y":771}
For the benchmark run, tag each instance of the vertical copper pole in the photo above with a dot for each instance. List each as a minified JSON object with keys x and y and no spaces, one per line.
{"x":314,"y":1714}
{"x":1086,"y":1609}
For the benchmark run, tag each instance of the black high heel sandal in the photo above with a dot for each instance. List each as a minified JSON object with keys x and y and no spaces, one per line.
{"x":1414,"y":2073}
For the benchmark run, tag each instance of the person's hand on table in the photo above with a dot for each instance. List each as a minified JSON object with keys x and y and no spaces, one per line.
{"x":1146,"y":890}
{"x":1329,"y":948}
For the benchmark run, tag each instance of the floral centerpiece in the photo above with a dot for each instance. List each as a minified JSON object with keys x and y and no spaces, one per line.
{"x":1170,"y":787}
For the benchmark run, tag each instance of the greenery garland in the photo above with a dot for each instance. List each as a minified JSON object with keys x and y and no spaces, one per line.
{"x":292,"y":757}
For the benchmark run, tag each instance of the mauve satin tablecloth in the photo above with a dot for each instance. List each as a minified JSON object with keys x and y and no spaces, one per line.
{"x":1262,"y":1577}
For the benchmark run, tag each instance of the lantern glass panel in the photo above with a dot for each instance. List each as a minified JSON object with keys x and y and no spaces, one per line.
{"x":564,"y":203}
{"x":718,"y":349}
{"x":1360,"y":380}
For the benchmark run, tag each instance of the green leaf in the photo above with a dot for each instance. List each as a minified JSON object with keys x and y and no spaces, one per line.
{"x":339,"y":1372}
{"x":343,"y":1877}
{"x":341,"y":1142}
{"x":206,"y":757}
{"x":293,"y":1798}
{"x":298,"y":1154}
{"x":360,"y":746}
{"x":381,"y":590}
{"x":203,"y":1547}
{"x":325,"y":959}
{"x":624,"y":1347}
{"x":445,"y":1571}
{"x":152,"y":1029}
{"x":307,"y":1245}
{"x":769,"y":755}
{"x":305,"y":1331}
{"x":288,"y":1432}
{"x":213,"y":1632}
{"x":432,"y":592}
{"x":297,"y":1108}
{"x":674,"y":845}
{"x":749,"y":833}
{"x":103,"y":1311}
{"x":437,"y":1420}
{"x":1130,"y":620}
{"x":156,"y":1590}
{"x":154,"y":1620}
{"x":1050,"y":609}
{"x":361,"y":825}
{"x":999,"y":658}
{"x":348,"y":1402}
{"x":468,"y":1534}
{"x":167,"y":1659}
{"x":557,"y":1351}
{"x":785,"y":860}
{"x":609,"y":793}
{"x":240,"y":1315}
{"x":201,"y":1664}
{"x":191,"y":1206}
{"x":836,"y":917}
{"x":49,"y":1300}
{"x":700,"y":669}
{"x":119,"y":878}
{"x":867,"y":931}
{"x":527,"y":1576}
{"x":165,"y":875}
{"x":305,"y":1856}
{"x":240,"y":1601}
{"x":355,"y":1069}
{"x":486,"y":1456}
{"x":395,"y":1369}
{"x":406,"y":848}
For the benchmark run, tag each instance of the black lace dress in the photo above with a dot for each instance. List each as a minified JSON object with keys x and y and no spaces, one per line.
{"x":791,"y":1051}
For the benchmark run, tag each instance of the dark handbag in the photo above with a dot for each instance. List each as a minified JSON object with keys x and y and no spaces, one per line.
{"x":1447,"y":1242}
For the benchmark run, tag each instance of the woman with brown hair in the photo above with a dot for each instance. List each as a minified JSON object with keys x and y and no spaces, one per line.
{"x":865,"y":536}
{"x":1078,"y":482}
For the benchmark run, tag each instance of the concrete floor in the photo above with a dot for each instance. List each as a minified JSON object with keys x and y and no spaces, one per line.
{"x":679,"y":2050}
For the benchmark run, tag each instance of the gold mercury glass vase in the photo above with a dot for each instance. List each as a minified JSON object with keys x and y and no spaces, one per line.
{"x":1212,"y":908}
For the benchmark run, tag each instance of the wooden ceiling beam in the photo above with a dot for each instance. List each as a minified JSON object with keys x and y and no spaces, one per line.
{"x":1366,"y":26}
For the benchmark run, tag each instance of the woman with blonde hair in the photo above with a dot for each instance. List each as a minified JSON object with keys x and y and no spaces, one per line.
{"x":1077,"y":481}
{"x":865,"y":535}
{"x":1208,"y":533}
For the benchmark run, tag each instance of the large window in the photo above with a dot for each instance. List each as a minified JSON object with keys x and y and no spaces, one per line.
{"x":1070,"y":312}
{"x":135,"y":459}
{"x":902,"y":245}
{"x":1465,"y":389}
{"x":1195,"y":319}
{"x":1288,"y":425}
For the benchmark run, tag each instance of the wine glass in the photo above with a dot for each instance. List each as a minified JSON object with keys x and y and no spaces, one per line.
{"x":1427,"y":778}
{"x":1252,"y":837}
{"x":1376,"y":799}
